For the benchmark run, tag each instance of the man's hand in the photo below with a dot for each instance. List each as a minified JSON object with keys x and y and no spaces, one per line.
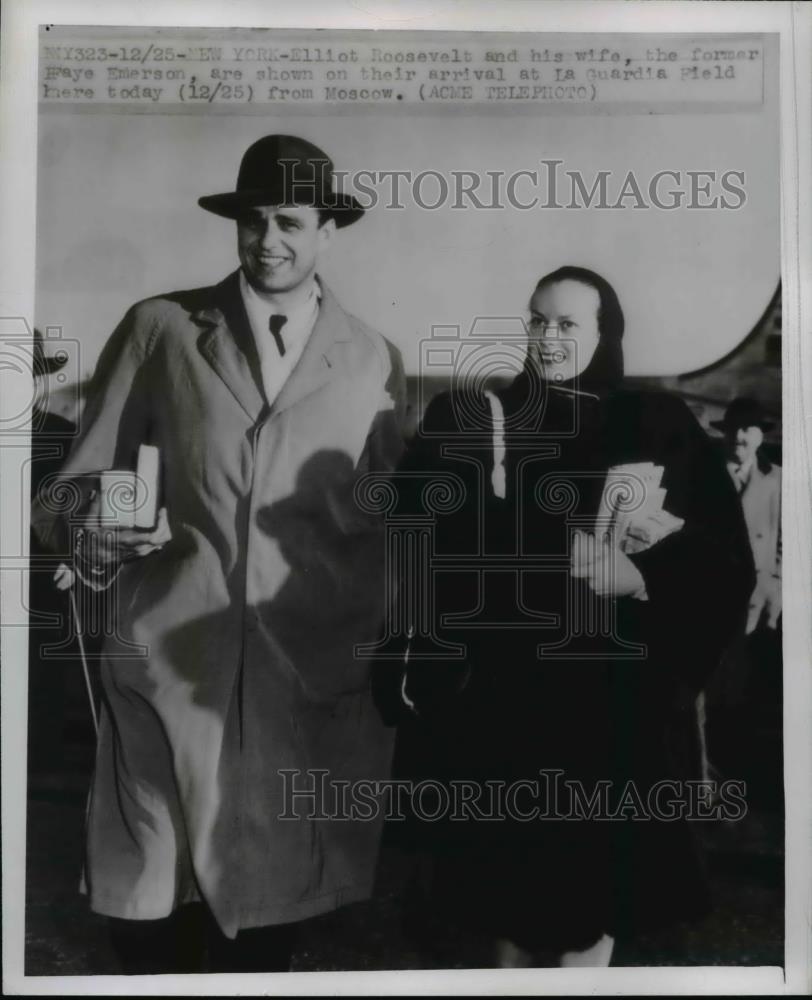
{"x":774,"y":602}
{"x":64,"y":577}
{"x":765,"y":600}
{"x":607,"y":571}
{"x":107,"y":545}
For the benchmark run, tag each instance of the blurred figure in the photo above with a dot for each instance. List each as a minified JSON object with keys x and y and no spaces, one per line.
{"x":48,"y":609}
{"x":758,"y":483}
{"x":743,"y":699}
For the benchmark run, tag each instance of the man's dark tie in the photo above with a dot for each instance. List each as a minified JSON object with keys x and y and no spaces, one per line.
{"x":275,"y":324}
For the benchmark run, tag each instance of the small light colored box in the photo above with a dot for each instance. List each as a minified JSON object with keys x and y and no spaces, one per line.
{"x":117,"y":498}
{"x":146,"y":487}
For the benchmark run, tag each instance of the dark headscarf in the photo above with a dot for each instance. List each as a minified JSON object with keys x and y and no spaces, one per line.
{"x":605,"y":371}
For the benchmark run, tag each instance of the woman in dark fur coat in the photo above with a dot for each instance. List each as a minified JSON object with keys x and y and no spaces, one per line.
{"x":584,"y":642}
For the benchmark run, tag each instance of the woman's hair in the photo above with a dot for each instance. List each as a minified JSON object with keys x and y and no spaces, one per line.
{"x":605,"y":370}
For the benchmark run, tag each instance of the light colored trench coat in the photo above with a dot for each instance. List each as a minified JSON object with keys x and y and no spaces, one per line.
{"x":761,"y":503}
{"x":234,"y":655}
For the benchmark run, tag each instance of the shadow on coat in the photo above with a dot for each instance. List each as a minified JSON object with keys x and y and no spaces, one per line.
{"x":334,"y":552}
{"x":295,"y":698}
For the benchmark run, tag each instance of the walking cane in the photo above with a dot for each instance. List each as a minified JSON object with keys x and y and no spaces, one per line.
{"x":81,"y":640}
{"x":145,"y":492}
{"x":62,"y":575}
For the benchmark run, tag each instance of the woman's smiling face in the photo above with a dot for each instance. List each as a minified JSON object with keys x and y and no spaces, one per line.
{"x":564,"y":328}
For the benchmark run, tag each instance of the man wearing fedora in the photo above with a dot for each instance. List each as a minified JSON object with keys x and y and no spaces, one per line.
{"x":758,"y":483}
{"x":48,"y":644}
{"x":747,"y":684}
{"x":235,"y":697}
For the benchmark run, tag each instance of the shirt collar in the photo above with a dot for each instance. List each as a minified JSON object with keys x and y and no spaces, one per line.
{"x":257,"y":306}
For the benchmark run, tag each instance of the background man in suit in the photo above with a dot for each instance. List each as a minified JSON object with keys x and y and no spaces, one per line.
{"x":51,"y":437}
{"x":759,"y":485}
{"x":743,"y":699}
{"x":232,"y":681}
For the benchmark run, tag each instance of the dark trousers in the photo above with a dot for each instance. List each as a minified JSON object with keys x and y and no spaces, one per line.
{"x":745,"y":716}
{"x":190,"y":941}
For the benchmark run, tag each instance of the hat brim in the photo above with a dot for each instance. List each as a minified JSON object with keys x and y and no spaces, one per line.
{"x":343,"y":208}
{"x":722,"y":425}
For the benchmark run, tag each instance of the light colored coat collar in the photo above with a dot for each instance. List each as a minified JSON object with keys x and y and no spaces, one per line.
{"x":758,"y":484}
{"x":228,"y":345}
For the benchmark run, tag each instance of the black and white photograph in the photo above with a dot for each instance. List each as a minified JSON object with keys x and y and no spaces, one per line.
{"x":409,"y":460}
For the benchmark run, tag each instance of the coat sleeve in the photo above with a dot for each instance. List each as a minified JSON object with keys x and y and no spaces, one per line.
{"x":111,"y":427}
{"x":700,"y":578}
{"x":776,"y":515}
{"x":385,"y":441}
{"x":774,"y":597}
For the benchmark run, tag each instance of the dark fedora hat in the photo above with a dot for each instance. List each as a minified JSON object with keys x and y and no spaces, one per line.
{"x":742,"y":412}
{"x":41,"y":363}
{"x":285,"y":170}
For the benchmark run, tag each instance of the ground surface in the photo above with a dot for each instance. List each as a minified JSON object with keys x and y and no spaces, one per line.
{"x":64,"y":938}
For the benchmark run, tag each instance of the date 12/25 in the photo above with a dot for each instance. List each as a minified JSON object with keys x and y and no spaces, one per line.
{"x":194,"y":90}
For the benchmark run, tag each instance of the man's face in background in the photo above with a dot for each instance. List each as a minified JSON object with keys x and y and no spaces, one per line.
{"x":743,"y":444}
{"x":279,"y":246}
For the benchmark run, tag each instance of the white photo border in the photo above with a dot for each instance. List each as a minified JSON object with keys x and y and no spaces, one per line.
{"x":18,"y":125}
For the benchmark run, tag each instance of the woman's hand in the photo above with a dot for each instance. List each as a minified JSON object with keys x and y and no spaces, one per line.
{"x":607,"y":571}
{"x":644,"y":531}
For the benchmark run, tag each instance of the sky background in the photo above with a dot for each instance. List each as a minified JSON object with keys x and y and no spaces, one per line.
{"x":118,"y":220}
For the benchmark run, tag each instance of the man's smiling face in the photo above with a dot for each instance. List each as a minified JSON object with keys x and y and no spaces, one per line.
{"x":278,"y":246}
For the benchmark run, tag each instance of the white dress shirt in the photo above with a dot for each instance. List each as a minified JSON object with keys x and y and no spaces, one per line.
{"x":276,"y":367}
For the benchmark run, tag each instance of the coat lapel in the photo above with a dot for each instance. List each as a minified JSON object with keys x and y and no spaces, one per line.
{"x":323,"y":357}
{"x":228,"y":345}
